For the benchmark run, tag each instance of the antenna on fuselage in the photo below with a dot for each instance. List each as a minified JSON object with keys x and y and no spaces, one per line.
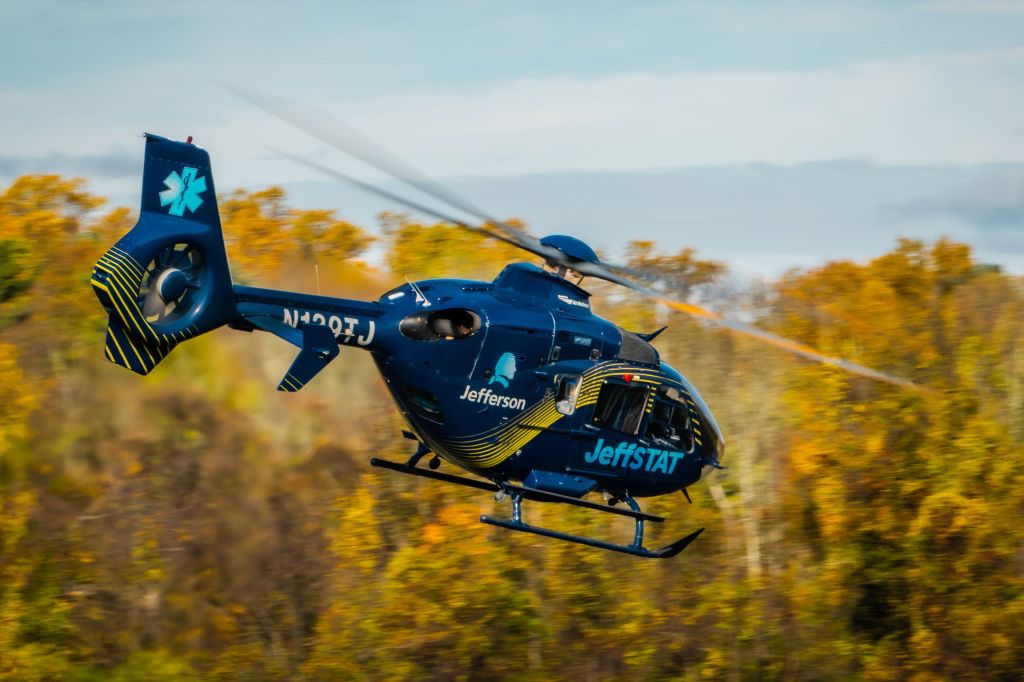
{"x":420,"y":296}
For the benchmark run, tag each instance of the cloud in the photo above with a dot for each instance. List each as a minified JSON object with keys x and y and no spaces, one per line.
{"x":990,"y":200}
{"x":761,"y":218}
{"x":983,"y":7}
{"x":113,"y":165}
{"x":929,"y":109}
{"x":959,"y":109}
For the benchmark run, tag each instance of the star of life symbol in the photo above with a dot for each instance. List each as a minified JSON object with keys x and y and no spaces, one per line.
{"x":183,"y":191}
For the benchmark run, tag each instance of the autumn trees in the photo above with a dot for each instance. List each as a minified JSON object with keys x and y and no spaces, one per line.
{"x":196,"y":524}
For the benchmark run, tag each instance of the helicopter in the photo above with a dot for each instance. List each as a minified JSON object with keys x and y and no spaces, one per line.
{"x":516,"y":381}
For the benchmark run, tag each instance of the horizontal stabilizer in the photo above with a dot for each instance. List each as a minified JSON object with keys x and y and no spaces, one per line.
{"x":319,"y":347}
{"x":123,"y":350}
{"x":276,"y":327}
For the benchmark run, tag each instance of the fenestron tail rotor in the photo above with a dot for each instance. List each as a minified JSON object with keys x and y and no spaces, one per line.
{"x":170,"y":281}
{"x":557,"y":250}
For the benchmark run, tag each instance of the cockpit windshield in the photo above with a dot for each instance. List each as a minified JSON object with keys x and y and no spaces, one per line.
{"x":670,"y":420}
{"x":620,"y":406}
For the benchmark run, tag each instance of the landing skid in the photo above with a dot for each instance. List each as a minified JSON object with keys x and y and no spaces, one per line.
{"x":665,"y":552}
{"x":520,"y":493}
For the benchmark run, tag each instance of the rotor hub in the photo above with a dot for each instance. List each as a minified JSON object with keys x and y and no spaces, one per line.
{"x":171,"y":284}
{"x":574,"y":249}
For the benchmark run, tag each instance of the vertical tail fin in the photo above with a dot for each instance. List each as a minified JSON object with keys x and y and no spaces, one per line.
{"x":167,"y":280}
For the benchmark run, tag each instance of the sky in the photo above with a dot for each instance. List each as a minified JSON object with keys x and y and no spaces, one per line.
{"x":768,"y":135}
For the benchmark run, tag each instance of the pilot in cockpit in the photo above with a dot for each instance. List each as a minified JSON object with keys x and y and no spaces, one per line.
{"x":563,"y":271}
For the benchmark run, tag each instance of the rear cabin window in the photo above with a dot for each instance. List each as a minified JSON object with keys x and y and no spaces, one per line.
{"x":670,"y":421}
{"x":620,"y":407}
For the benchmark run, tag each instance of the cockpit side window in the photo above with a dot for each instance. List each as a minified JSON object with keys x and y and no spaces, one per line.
{"x":567,"y":391}
{"x":454,"y":323}
{"x":670,"y":421}
{"x":620,"y":407}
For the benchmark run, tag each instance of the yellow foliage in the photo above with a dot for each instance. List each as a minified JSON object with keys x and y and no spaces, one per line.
{"x":422,"y":251}
{"x":193,"y":525}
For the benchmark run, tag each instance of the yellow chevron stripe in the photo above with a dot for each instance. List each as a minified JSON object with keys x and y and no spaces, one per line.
{"x":116,"y":276}
{"x":128,"y":259}
{"x":495,"y":446}
{"x":113,"y":337}
{"x":146,"y":366}
{"x":112,"y":333}
{"x":126,"y":291}
{"x":113,"y":265}
{"x":119,"y":260}
{"x":592,"y":382}
{"x":124,"y":306}
{"x":142,"y":362}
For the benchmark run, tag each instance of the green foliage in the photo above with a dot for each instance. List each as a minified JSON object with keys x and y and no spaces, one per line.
{"x":14,"y":279}
{"x":195,"y":524}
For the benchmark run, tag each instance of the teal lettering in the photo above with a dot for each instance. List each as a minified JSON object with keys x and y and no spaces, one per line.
{"x":676,"y":456}
{"x":662,"y":463}
{"x":651,"y":454}
{"x":619,"y":451}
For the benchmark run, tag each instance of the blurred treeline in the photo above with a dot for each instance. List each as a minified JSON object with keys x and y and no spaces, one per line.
{"x":197,"y":524}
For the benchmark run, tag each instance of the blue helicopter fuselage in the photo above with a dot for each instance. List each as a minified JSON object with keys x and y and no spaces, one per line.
{"x":517,"y":379}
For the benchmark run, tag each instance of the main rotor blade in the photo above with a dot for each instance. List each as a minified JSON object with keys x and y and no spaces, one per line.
{"x":408,"y":203}
{"x":591,"y":269}
{"x":348,"y":141}
{"x":794,"y":347}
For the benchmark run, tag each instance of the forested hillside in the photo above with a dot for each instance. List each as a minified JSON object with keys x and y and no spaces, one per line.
{"x":197,"y":524}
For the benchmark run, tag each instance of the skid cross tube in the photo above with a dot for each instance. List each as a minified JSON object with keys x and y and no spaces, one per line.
{"x":638,"y":536}
{"x":414,"y":458}
{"x":665,"y":552}
{"x":521,"y":493}
{"x":635,"y":549}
